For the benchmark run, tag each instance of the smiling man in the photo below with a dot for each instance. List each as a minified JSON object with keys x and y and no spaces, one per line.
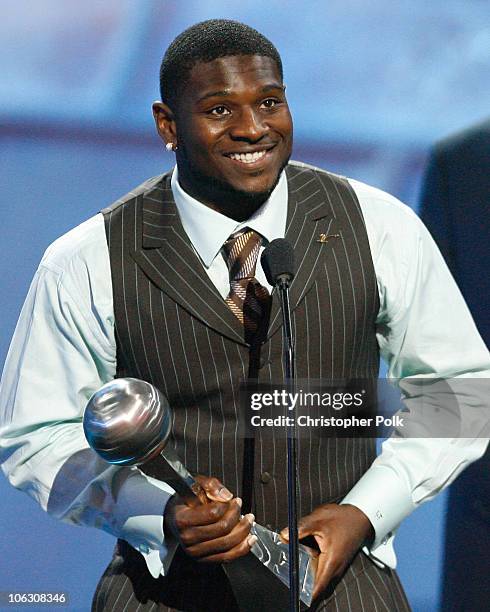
{"x":166,"y":285}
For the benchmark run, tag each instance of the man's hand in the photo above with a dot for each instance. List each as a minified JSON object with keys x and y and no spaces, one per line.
{"x":212,"y":532}
{"x":339,"y":532}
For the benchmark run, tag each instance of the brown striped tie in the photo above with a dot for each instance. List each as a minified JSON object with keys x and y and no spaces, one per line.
{"x":248,"y":299}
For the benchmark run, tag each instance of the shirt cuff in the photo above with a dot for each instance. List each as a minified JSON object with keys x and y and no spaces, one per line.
{"x":384,"y":498}
{"x":141,"y":502}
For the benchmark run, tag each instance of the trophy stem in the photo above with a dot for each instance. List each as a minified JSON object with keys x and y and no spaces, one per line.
{"x":183,"y":482}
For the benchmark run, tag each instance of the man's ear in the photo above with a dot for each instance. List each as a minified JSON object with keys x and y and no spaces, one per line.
{"x":165,"y":122}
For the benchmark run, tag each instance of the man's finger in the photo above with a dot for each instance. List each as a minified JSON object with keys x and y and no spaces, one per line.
{"x":195,"y":535}
{"x":324,"y":574}
{"x":222,"y":544}
{"x":204,"y":514}
{"x":306,"y":527}
{"x":214,"y":489}
{"x":239,"y":550}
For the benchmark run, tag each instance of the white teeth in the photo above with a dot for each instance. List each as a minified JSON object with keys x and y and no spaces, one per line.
{"x":248,"y":158}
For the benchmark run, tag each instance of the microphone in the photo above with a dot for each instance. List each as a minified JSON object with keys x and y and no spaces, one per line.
{"x":278,"y":262}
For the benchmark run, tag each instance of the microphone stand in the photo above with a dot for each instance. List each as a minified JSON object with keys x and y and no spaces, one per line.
{"x":292,"y":462}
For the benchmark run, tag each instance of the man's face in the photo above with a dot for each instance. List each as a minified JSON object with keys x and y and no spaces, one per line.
{"x":233,"y":129}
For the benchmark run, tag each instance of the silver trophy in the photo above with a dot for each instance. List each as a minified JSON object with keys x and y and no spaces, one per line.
{"x":128,"y":422}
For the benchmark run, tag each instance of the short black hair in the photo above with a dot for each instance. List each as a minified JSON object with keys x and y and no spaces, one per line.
{"x":205,"y":42}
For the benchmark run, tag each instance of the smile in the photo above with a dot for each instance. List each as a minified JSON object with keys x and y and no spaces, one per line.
{"x":248,"y":158}
{"x":255,"y":158}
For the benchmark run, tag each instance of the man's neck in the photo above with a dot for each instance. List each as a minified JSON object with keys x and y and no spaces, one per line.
{"x":236,"y":205}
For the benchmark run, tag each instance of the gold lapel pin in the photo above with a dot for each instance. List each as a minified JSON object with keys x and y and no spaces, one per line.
{"x":326,"y":237}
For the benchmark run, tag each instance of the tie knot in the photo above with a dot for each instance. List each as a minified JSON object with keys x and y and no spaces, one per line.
{"x":241,"y":252}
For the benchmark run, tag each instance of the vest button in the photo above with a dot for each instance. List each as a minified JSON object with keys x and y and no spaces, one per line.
{"x":265,"y":477}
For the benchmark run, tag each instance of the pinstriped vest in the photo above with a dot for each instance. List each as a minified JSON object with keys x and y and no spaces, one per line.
{"x":174,"y":330}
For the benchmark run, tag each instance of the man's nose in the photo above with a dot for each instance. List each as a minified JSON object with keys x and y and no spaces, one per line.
{"x":249,"y":125}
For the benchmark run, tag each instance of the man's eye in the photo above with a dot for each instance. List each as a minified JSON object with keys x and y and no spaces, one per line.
{"x":220,"y":111}
{"x":270,"y":102}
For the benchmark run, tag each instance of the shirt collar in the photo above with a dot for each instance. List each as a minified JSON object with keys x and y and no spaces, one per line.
{"x":209,"y":229}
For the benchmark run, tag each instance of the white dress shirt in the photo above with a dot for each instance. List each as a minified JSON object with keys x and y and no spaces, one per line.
{"x":64,"y":349}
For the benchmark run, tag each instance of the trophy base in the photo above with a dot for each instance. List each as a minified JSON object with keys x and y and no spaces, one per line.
{"x":274,"y":554}
{"x":257,"y":590}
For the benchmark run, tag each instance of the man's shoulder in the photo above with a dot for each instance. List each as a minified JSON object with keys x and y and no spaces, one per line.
{"x":86,"y":243}
{"x":371,"y":200}
{"x":296,"y":169}
{"x":378,"y":199}
{"x":387,"y":218}
{"x":159,"y":183}
{"x":82,"y":244}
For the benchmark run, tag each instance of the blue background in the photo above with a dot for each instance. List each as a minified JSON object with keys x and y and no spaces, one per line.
{"x":371,"y":86}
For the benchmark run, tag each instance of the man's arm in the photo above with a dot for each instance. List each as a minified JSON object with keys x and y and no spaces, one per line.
{"x":62,"y":351}
{"x":424,"y":329}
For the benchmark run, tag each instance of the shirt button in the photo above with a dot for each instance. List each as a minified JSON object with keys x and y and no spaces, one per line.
{"x":265,"y":477}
